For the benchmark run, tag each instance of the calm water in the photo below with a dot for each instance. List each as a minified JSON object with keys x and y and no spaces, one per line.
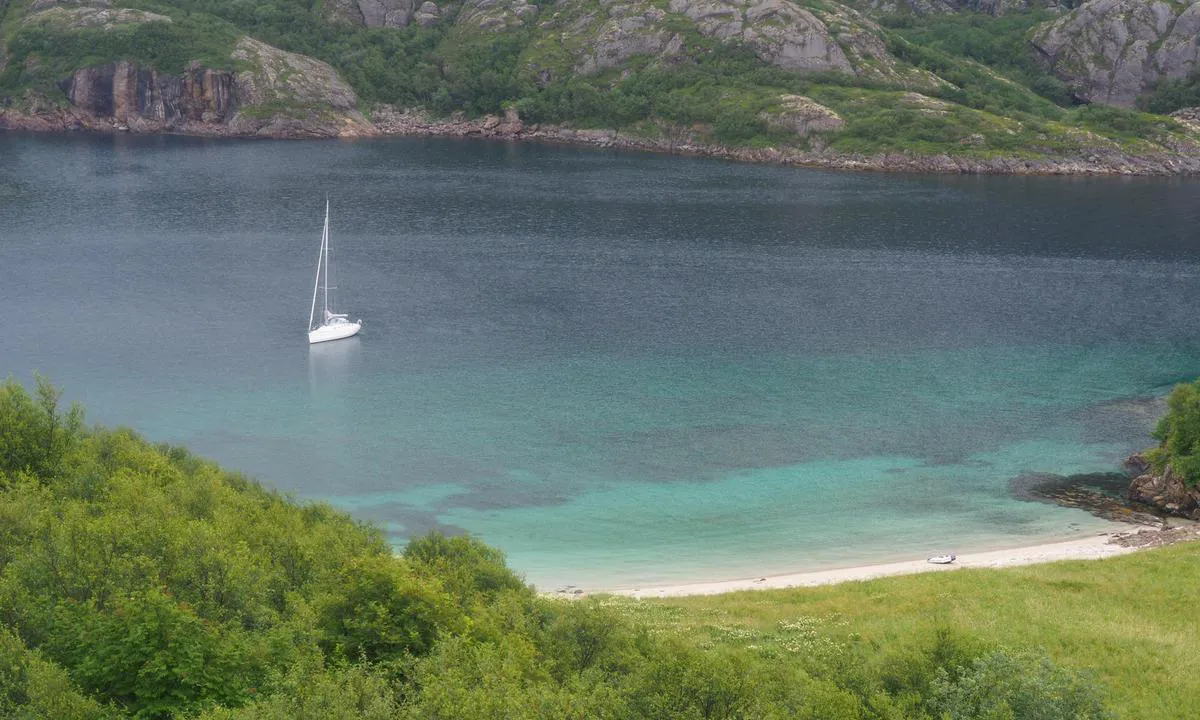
{"x":619,"y":368}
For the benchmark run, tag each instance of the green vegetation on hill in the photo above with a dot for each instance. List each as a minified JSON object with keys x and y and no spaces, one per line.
{"x":1179,"y":433}
{"x":1171,"y":95}
{"x":138,"y":581}
{"x":166,"y":46}
{"x":993,"y":97}
{"x":999,"y":43}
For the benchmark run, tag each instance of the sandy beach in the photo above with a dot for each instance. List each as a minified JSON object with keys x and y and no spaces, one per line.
{"x":1101,"y":545}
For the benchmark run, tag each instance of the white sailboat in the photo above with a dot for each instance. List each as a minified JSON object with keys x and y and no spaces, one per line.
{"x":333,"y":326}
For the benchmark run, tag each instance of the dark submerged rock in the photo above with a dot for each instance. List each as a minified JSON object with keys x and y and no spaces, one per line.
{"x":1101,"y":494}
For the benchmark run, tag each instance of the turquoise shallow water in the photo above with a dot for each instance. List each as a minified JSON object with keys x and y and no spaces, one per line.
{"x":621,"y":369}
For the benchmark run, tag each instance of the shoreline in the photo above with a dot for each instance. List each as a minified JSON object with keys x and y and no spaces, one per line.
{"x":1104,"y":544}
{"x":1097,"y":161}
{"x":387,"y":122}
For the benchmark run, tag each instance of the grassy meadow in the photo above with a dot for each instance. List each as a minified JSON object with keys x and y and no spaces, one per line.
{"x":1129,"y":621}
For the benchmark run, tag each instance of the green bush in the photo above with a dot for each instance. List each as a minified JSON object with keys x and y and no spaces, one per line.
{"x":312,"y":691}
{"x":1007,"y":686}
{"x":32,"y":688}
{"x":1117,"y":121}
{"x":151,"y":654}
{"x":469,"y":569}
{"x":1179,"y":434}
{"x":997,"y":42}
{"x":1171,"y":95}
{"x":383,"y":609}
{"x":35,"y":435}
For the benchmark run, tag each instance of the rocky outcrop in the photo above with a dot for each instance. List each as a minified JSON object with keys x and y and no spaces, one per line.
{"x":803,"y":116}
{"x":828,"y":38}
{"x":780,"y":32}
{"x":1189,"y":118}
{"x":373,"y":13}
{"x":428,"y":14}
{"x":932,"y":7}
{"x":145,"y":101}
{"x":95,"y":14}
{"x":292,"y":95}
{"x":496,"y":15}
{"x":1112,"y":51}
{"x":282,"y":94}
{"x":629,"y":31}
{"x":1166,"y":490}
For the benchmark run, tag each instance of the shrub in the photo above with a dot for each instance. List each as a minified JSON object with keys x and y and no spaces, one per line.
{"x":467,"y":568}
{"x":384,"y":609}
{"x":31,"y":687}
{"x":1008,"y":686}
{"x":1171,"y":95}
{"x":1179,"y":433}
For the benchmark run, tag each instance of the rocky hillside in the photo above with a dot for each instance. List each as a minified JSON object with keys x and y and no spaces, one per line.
{"x":1114,"y":51}
{"x":966,"y":85}
{"x":261,"y":91}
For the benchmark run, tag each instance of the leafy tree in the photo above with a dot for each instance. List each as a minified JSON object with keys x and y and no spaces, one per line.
{"x":152,"y":655}
{"x":311,"y":691}
{"x":1172,"y":94}
{"x":384,"y":609}
{"x":682,"y":682}
{"x":35,"y":435}
{"x":467,"y":568}
{"x":908,"y":673}
{"x":1011,"y":686}
{"x":465,"y":678}
{"x":581,"y":636}
{"x":32,"y":688}
{"x":1179,"y":433}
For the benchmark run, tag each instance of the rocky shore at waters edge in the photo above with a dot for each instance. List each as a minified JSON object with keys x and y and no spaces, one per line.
{"x":389,"y":121}
{"x":1138,"y":496}
{"x":1167,"y":490}
{"x":1101,"y":161}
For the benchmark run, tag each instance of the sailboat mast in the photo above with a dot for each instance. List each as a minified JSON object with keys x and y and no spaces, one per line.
{"x":325,"y":245}
{"x":317,"y":281}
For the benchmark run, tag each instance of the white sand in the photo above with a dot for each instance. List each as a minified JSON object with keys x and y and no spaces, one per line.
{"x":1088,"y":548}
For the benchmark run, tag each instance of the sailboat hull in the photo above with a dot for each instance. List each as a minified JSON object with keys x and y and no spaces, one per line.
{"x":335,"y":331}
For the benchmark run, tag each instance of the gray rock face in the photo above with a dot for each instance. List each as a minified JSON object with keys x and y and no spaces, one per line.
{"x":496,"y":14}
{"x":630,"y":30}
{"x":386,"y":13}
{"x":428,"y":14}
{"x":318,"y":101}
{"x":1189,"y":118}
{"x":588,"y":39}
{"x":139,"y":97}
{"x":87,"y":15}
{"x":932,"y":7}
{"x":1112,"y":51}
{"x":281,"y":76}
{"x":1167,"y":491}
{"x":373,"y":13}
{"x":314,"y":99}
{"x":781,"y":32}
{"x":803,"y":116}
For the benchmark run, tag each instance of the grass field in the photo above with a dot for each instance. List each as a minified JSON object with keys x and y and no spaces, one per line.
{"x":1132,"y":621}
